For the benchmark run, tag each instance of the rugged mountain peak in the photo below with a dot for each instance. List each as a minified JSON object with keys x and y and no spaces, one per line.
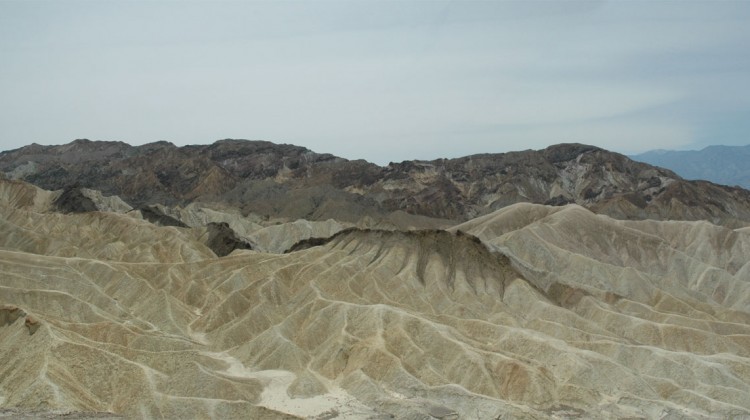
{"x":568,"y":151}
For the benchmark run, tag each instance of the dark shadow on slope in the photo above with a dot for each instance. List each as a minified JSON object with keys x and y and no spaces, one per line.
{"x":157,"y":217}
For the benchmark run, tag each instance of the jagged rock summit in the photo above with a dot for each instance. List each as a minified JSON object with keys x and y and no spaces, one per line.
{"x":291,"y":182}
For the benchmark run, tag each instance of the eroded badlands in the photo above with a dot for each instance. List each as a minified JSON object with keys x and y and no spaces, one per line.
{"x":529,"y":312}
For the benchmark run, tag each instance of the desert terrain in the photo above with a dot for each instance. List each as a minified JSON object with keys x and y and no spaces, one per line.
{"x":191,"y":306}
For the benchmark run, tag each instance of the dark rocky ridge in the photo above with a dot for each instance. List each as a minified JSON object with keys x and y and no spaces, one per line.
{"x":223,"y":240}
{"x":72,"y":200}
{"x":293,"y":182}
{"x":461,"y":251}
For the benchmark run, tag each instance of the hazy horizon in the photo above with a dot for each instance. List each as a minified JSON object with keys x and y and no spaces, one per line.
{"x":381,"y":81}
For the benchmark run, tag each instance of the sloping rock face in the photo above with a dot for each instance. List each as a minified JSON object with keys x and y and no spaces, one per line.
{"x":532,"y":311}
{"x":294,"y":183}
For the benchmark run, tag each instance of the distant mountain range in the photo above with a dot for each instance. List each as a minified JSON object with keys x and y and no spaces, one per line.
{"x":286,"y":182}
{"x":728,"y":165}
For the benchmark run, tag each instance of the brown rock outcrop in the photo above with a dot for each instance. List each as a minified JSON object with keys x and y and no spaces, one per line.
{"x":32,"y":324}
{"x":9,"y":314}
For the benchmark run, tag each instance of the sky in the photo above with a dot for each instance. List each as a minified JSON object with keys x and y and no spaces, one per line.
{"x":382,"y":81}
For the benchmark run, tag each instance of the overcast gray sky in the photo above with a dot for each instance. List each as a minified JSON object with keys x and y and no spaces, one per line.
{"x":384,"y":81}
